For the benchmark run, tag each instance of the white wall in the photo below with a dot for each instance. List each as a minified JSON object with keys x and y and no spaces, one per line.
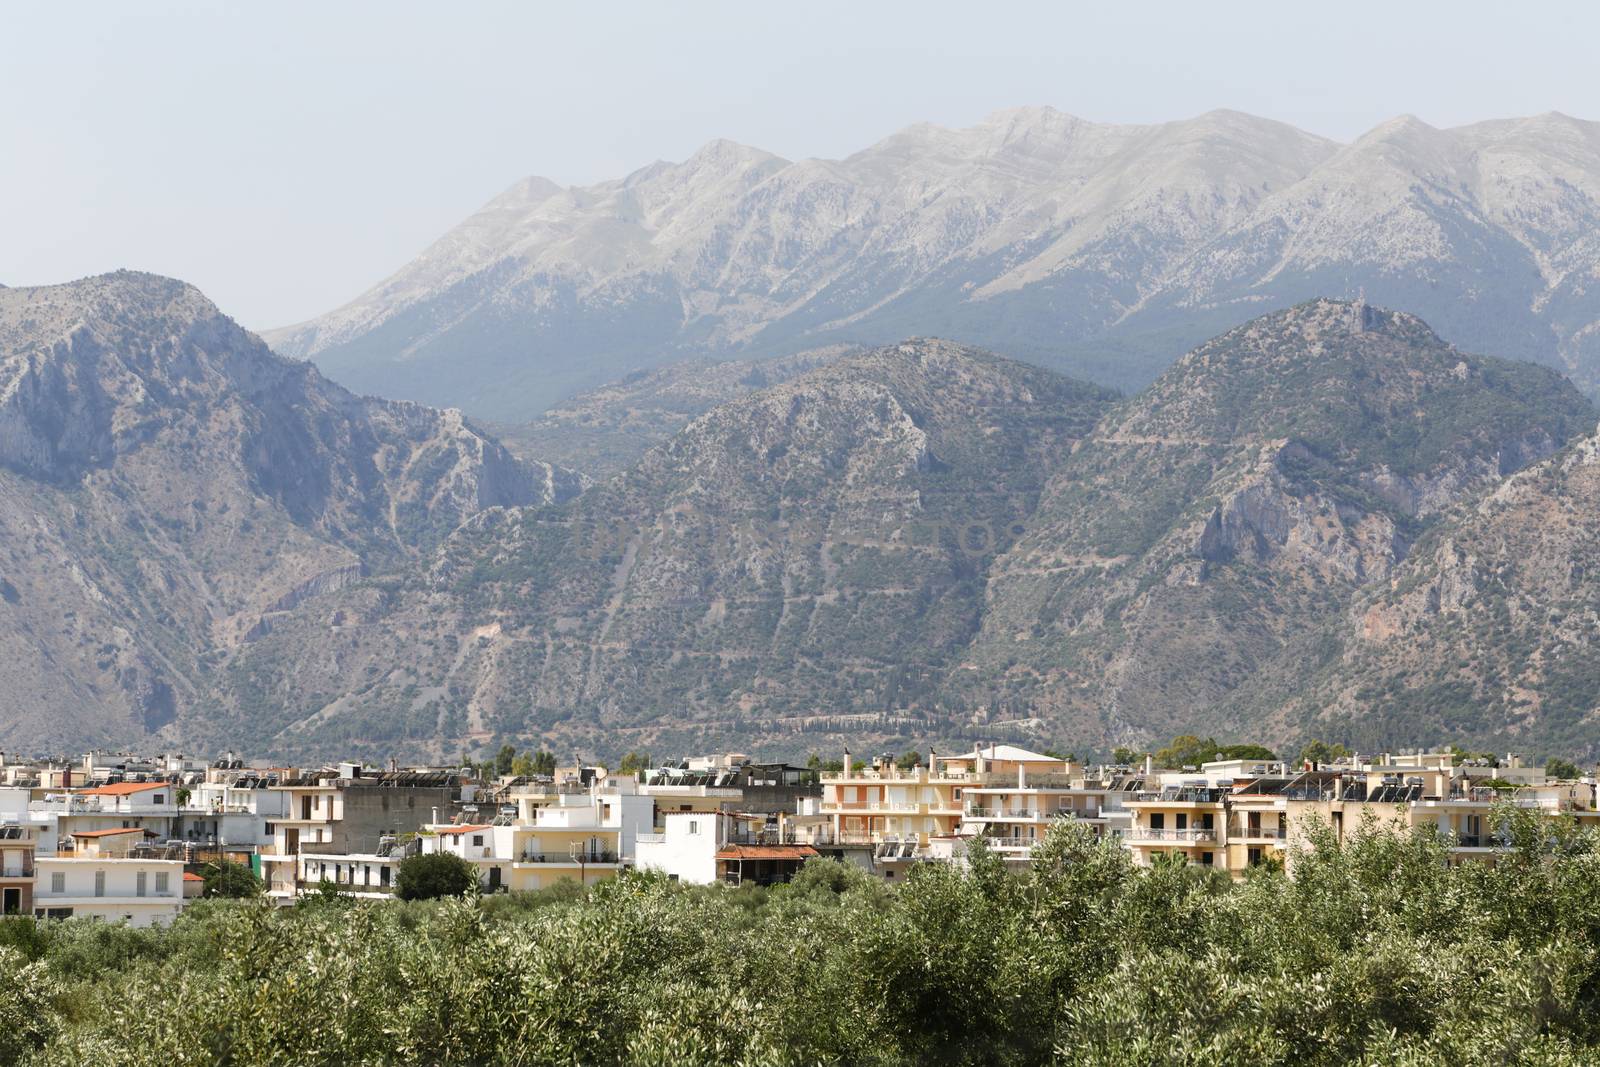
{"x":688,"y":849}
{"x":120,"y":901}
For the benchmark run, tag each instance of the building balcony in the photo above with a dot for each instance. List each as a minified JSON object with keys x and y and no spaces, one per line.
{"x":1256,"y":834}
{"x":17,"y":870}
{"x":1179,"y":797}
{"x":568,"y":859}
{"x":1142,"y":834}
{"x":888,"y":808}
{"x":1478,"y":841}
{"x":1011,"y":844}
{"x":307,"y":885}
{"x":1030,"y":815}
{"x":105,"y":900}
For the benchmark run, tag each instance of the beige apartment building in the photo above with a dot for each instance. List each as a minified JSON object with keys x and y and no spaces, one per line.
{"x":1237,"y":814}
{"x":1015,"y":795}
{"x":897,"y":812}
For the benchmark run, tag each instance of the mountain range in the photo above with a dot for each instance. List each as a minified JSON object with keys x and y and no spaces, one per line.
{"x":1101,"y":251}
{"x":170,"y":487}
{"x":1327,"y":521}
{"x":925,"y":540}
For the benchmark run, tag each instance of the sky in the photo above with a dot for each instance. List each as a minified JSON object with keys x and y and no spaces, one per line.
{"x":286,"y":156}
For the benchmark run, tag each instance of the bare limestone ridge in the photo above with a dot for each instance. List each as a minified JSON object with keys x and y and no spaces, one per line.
{"x":1210,"y":524}
{"x":169,"y":486}
{"x":606,"y":430}
{"x":1486,"y":632}
{"x":925,"y":540}
{"x":1099,"y":250}
{"x":1280,"y":536}
{"x":811,"y":549}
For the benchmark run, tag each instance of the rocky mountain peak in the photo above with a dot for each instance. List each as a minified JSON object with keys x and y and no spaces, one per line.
{"x":1346,"y":377}
{"x":1032,"y":232}
{"x":169,"y":487}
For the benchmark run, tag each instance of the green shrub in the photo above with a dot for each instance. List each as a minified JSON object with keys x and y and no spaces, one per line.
{"x":434,"y":874}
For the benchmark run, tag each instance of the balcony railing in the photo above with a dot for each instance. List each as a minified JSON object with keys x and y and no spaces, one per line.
{"x":17,"y":870}
{"x":307,"y":885}
{"x":1141,"y":833}
{"x":1268,"y":833}
{"x":1181,"y":796}
{"x":1478,"y":840}
{"x":568,"y":858}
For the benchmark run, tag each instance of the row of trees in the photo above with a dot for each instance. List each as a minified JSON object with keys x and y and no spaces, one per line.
{"x":1186,"y":750}
{"x":1377,"y":951}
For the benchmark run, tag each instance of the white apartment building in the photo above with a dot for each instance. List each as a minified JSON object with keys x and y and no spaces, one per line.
{"x":581,"y":833}
{"x":151,"y":806}
{"x":100,"y":880}
{"x":237,"y":815}
{"x":364,"y":876}
{"x":700,"y":848}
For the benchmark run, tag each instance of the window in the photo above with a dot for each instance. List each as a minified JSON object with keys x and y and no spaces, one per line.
{"x":160,"y":798}
{"x":163,"y":884}
{"x":141,"y":884}
{"x":477,"y":839}
{"x":58,"y":882}
{"x":1158,"y":820}
{"x":99,"y":883}
{"x":694,"y":826}
{"x":1206,"y":858}
{"x":1254,"y":856}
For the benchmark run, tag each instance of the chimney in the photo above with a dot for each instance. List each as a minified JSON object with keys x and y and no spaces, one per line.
{"x":1149,"y":765}
{"x":846,"y":773}
{"x":1022,"y":775}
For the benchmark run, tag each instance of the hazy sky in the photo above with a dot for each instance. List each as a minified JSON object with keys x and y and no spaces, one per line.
{"x":285,"y":156}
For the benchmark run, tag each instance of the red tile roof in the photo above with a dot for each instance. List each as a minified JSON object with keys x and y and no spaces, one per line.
{"x":765,"y":852}
{"x":122,"y":789}
{"x":190,"y":876}
{"x":454,"y":830}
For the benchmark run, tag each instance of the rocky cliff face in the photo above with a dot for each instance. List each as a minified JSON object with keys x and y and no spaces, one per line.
{"x":1103,"y":251}
{"x":1484,"y":634}
{"x":1211,"y":523}
{"x":811,"y":550}
{"x":168,"y":482}
{"x":1313,"y":523}
{"x":926,"y":541}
